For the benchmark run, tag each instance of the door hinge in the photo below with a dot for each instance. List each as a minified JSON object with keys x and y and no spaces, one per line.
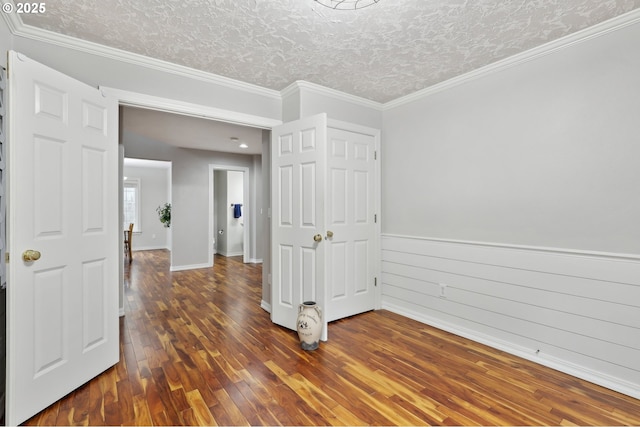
{"x":375,"y":218}
{"x":375,"y":155}
{"x":375,"y":281}
{"x":6,"y":257}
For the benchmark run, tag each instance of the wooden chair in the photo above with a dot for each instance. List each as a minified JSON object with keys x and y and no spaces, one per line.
{"x":127,"y":241}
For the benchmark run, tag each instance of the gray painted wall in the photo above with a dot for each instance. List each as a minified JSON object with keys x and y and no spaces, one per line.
{"x":544,"y":153}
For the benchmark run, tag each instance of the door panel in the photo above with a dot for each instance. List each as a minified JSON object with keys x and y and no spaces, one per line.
{"x":49,"y":174}
{"x":94,"y":188}
{"x":62,"y":310}
{"x":95,"y":288}
{"x":48,"y":325}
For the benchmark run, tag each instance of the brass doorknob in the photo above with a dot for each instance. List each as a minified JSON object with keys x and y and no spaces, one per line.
{"x":317,"y":238}
{"x":30,"y":255}
{"x":329,"y":234}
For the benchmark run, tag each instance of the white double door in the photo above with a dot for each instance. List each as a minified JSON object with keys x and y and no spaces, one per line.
{"x":324,"y":198}
{"x":64,"y":237}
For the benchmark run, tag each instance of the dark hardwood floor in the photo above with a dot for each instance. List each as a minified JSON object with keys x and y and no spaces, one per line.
{"x":197,"y":349}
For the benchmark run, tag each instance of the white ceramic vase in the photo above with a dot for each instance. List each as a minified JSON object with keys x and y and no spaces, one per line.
{"x":309,"y":325}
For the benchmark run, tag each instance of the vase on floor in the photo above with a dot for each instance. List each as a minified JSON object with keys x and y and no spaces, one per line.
{"x":309,"y":325}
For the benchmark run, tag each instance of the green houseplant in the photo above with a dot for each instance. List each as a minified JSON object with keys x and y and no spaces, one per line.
{"x":164,"y":213}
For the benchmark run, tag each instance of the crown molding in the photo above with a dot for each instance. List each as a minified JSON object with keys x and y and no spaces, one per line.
{"x":19,"y":29}
{"x":292,"y":89}
{"x":12,"y":19}
{"x":589,"y":33}
{"x":332,"y":93}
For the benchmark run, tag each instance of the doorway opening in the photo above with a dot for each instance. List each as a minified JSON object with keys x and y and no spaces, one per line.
{"x":229,"y":222}
{"x":256,"y":200}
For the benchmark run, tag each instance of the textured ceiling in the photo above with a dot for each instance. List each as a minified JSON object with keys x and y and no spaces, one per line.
{"x":380,"y":52}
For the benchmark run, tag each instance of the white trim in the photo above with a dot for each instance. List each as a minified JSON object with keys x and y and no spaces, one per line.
{"x":563,"y":251}
{"x":597,"y":30}
{"x":149,"y":248}
{"x":12,"y":19}
{"x":265,"y":306}
{"x":190,"y":267}
{"x":333,"y":93}
{"x":292,"y":89}
{"x":231,"y":254}
{"x":255,"y":261}
{"x":134,"y":99}
{"x":595,"y":377}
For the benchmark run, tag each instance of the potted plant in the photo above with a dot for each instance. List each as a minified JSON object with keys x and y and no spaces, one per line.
{"x":164,"y":213}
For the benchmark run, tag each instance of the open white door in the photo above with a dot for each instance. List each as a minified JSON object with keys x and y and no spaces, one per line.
{"x":350,"y":241}
{"x":324,"y":234}
{"x":62,"y":309}
{"x":298,"y":163}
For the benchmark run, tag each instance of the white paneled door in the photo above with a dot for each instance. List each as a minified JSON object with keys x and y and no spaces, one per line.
{"x":350,"y":222}
{"x":298,"y":167}
{"x":62,"y":309}
{"x":323,"y":219}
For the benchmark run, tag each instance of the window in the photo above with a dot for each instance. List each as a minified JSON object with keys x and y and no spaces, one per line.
{"x":131,"y":204}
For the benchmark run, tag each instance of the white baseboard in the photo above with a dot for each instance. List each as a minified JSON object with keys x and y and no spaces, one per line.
{"x":581,"y":372}
{"x":255,"y":261}
{"x":148,"y":248}
{"x":265,"y":306}
{"x":190,"y":267}
{"x":230,"y":254}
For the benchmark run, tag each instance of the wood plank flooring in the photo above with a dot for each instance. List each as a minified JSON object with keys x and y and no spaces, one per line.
{"x":197,"y":349}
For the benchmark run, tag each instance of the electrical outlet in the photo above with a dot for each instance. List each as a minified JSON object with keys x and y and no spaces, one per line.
{"x":443,"y":290}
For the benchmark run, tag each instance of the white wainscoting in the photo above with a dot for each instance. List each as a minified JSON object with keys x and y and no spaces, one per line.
{"x":572,"y":311}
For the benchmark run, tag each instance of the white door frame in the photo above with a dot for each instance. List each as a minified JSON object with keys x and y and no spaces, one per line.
{"x":246,"y":207}
{"x":135,"y":99}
